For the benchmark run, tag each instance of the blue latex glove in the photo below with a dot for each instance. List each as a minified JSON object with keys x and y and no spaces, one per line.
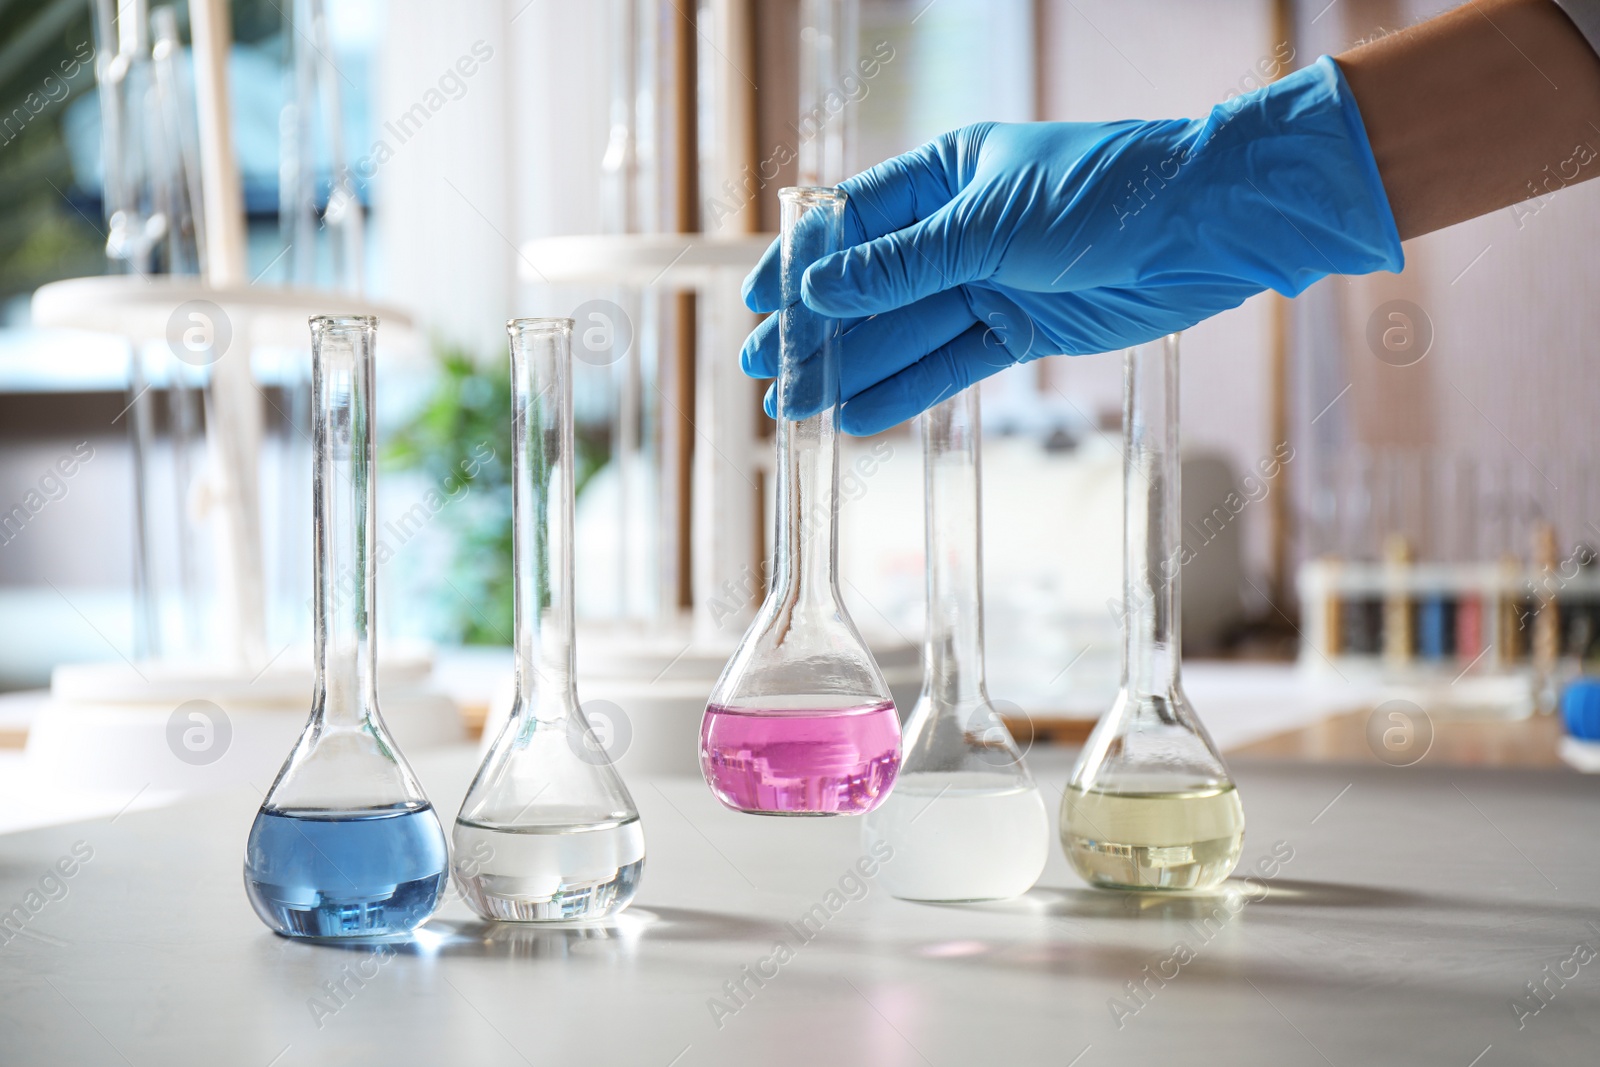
{"x":998,"y":244}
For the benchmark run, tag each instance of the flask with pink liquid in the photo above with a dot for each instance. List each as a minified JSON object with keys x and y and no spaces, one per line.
{"x":801,"y":722}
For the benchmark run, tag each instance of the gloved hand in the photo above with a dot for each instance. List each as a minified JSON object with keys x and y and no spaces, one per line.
{"x":1000,"y":243}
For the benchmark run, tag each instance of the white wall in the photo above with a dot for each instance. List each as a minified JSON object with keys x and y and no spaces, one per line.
{"x":1118,"y":59}
{"x":444,"y":225}
{"x":1511,"y":375}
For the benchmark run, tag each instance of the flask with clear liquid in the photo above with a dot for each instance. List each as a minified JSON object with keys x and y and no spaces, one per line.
{"x":346,"y":844}
{"x":801,"y":722}
{"x":547,"y":831}
{"x":1150,"y":804}
{"x":966,"y":821}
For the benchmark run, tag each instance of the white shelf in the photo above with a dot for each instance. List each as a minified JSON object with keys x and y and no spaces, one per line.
{"x":667,"y":260}
{"x":142,"y":308}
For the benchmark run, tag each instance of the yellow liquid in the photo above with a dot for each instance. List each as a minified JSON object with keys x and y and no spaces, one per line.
{"x":1188,"y":839}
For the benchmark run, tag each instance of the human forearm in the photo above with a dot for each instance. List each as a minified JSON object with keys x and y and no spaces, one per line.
{"x":1465,"y":111}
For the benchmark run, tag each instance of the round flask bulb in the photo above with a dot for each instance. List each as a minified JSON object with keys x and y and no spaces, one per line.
{"x":1156,"y":808}
{"x":966,"y":821}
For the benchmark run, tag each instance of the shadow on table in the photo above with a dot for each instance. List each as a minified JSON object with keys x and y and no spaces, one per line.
{"x":562,"y":940}
{"x":1355,"y":937}
{"x":1276,"y":893}
{"x":1081,"y":902}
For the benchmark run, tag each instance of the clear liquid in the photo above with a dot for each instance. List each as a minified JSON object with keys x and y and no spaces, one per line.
{"x":372,"y":873}
{"x":1179,"y":839}
{"x":961,"y":836}
{"x":801,"y":762}
{"x":549,"y":873}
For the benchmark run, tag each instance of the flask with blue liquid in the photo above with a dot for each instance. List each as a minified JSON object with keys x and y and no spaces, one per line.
{"x":346,"y":844}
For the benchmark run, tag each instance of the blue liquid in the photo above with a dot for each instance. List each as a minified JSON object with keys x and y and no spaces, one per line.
{"x":1436,"y":628}
{"x":377,"y":872}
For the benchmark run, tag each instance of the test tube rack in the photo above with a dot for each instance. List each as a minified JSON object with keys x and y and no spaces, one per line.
{"x":1402,"y":619}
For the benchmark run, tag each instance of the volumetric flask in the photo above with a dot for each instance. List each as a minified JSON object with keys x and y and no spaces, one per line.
{"x":1150,"y":804}
{"x":548,"y":831}
{"x":346,"y":843}
{"x":800,"y":722}
{"x":965,"y":820}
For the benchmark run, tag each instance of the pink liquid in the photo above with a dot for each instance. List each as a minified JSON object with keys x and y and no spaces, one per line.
{"x":839,"y":762}
{"x":1469,"y":628}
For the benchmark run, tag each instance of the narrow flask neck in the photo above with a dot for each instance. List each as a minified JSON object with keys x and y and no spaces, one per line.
{"x":806,"y":548}
{"x":805,"y":573}
{"x":346,"y":681}
{"x":1152,"y":547}
{"x":542,"y":517}
{"x":953,"y":674}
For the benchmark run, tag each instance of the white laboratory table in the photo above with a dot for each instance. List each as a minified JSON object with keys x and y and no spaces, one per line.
{"x":1408,"y":912}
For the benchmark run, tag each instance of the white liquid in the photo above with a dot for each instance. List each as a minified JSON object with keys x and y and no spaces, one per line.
{"x":960,"y":836}
{"x":534,"y":873}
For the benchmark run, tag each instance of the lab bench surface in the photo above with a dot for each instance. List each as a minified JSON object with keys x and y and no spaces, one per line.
{"x":1441,"y":739}
{"x":1380,"y":916}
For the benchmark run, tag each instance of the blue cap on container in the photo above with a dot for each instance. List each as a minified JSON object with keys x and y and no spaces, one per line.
{"x":1580,"y":706}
